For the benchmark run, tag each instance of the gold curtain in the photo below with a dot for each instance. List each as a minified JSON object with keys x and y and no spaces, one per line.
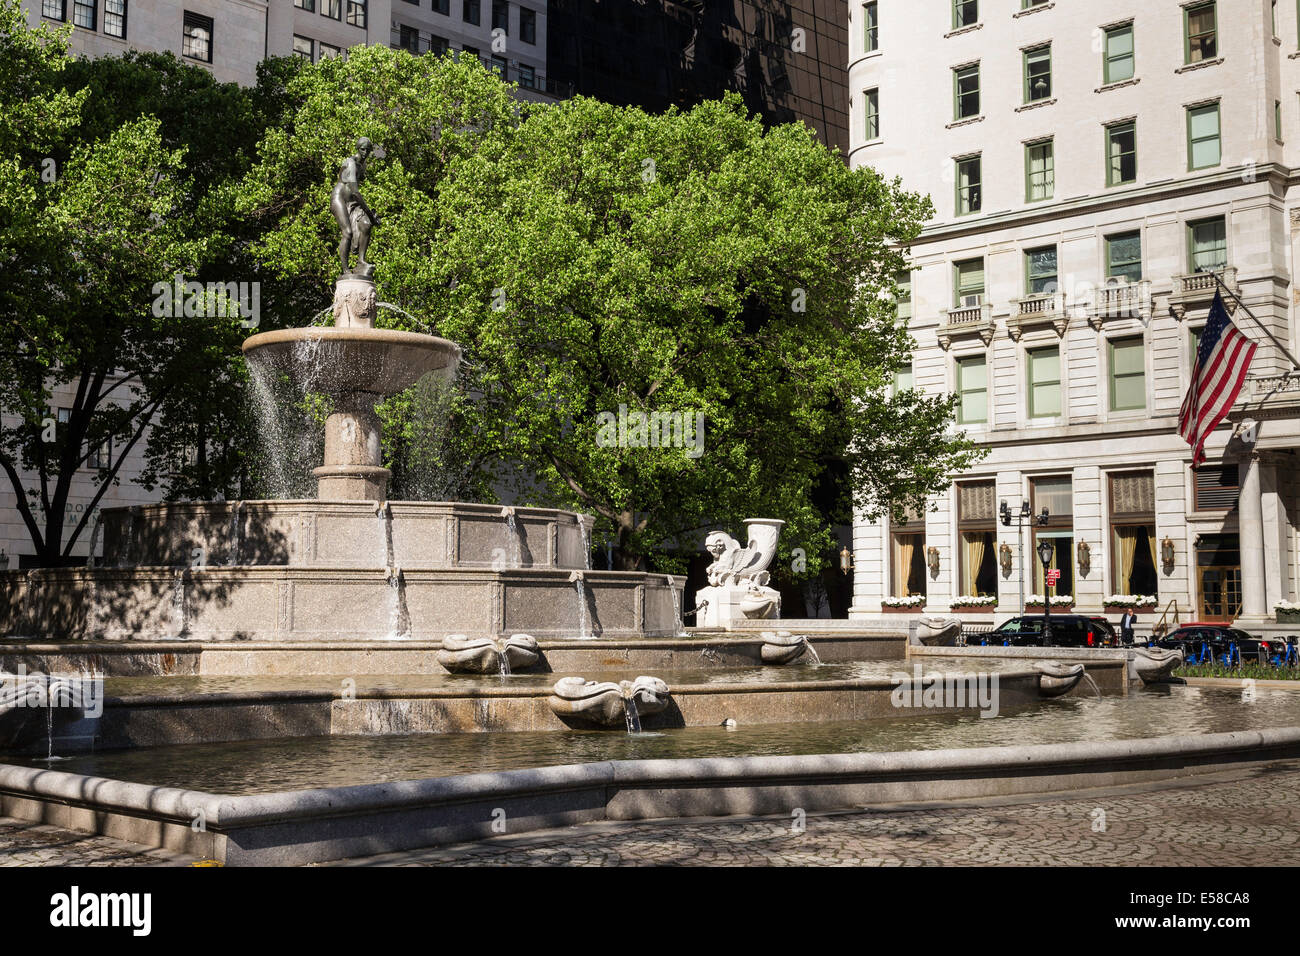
{"x":1150,"y":532}
{"x":1128,"y":539}
{"x":973,"y":560}
{"x":904,"y":546}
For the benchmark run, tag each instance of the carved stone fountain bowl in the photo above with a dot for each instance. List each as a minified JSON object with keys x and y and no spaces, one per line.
{"x":331,"y":359}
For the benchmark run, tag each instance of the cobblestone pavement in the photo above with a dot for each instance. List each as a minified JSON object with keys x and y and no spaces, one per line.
{"x":1248,"y":817}
{"x":35,"y":844}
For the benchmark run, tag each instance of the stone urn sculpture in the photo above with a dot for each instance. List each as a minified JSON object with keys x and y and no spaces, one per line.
{"x":936,"y":632}
{"x":1056,"y":679}
{"x":1153,"y":664}
{"x":487,"y":655}
{"x":605,"y":703}
{"x":782,"y":647}
{"x":738,"y":576}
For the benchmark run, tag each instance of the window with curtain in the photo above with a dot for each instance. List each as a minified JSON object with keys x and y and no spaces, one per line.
{"x":1121,"y":153}
{"x":904,"y":301}
{"x":1044,"y":382}
{"x":1124,"y":256}
{"x":972,"y":387}
{"x":54,"y":9}
{"x":1057,"y":495}
{"x":1133,"y":532}
{"x":977,"y":528}
{"x":1203,"y":136}
{"x":908,"y":563}
{"x":1200,"y":32}
{"x":1040,"y":271}
{"x":1119,"y":62}
{"x":83,"y":14}
{"x":1216,"y":487}
{"x":966,"y":91}
{"x":115,"y":18}
{"x":1207,"y":245}
{"x":302,"y":48}
{"x":967,"y":283}
{"x":969,"y":193}
{"x":1040,"y":172}
{"x":357,"y":13}
{"x":903,"y":379}
{"x":1128,"y":376}
{"x":332,"y":9}
{"x":1038,"y":74}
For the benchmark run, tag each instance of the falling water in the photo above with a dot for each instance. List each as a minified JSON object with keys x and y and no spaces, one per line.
{"x":580,"y":587}
{"x":424,"y":326}
{"x":385,"y":514}
{"x":1095,"y":689}
{"x":232,"y":558}
{"x":178,"y":603}
{"x":512,"y":538}
{"x":49,"y":732}
{"x":679,"y":626}
{"x":503,"y":663}
{"x":124,"y":558}
{"x":631,"y":716}
{"x":287,"y":411}
{"x":810,"y":651}
{"x":399,"y":618}
{"x":586,"y":543}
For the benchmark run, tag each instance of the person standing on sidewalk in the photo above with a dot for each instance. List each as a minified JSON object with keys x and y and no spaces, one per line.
{"x":1126,"y":627}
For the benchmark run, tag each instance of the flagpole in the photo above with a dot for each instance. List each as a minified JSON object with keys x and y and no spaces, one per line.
{"x":1263,"y":328}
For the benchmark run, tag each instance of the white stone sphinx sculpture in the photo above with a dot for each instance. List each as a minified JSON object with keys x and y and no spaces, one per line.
{"x":738,"y":576}
{"x":605,"y":703}
{"x":487,"y":655}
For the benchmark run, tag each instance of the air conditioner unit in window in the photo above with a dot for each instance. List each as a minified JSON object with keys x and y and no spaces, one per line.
{"x":972,"y":301}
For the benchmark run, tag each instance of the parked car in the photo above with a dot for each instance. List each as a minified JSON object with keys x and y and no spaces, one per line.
{"x":1067,"y":630}
{"x":1198,"y":639}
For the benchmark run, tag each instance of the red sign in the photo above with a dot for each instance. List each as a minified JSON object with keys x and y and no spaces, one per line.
{"x":1053,"y":576}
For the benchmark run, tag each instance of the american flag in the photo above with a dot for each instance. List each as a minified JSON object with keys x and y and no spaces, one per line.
{"x":1221,"y":364}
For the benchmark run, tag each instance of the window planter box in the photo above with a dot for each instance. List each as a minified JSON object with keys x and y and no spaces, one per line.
{"x":905,"y":609}
{"x":1056,"y":608}
{"x":974,"y":608}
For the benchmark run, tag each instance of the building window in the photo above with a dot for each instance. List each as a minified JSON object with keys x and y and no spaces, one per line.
{"x":302,"y":47}
{"x":903,"y":379}
{"x":1044,"y":382}
{"x":328,"y":51}
{"x":966,"y":91}
{"x":965,"y":13}
{"x":1207,"y":245}
{"x":501,"y":16}
{"x":1040,"y":271}
{"x":870,"y":28}
{"x":115,"y":18}
{"x":1215,"y":487}
{"x":308,"y":5}
{"x":54,"y":9}
{"x":1038,"y":74}
{"x":1054,"y":494}
{"x":1128,"y":377}
{"x":1200,"y":33}
{"x":357,"y":13}
{"x":1196,"y":348}
{"x":1124,"y":256}
{"x":408,"y":38}
{"x":1040,"y":172}
{"x":468,"y":51}
{"x":102,"y":456}
{"x":1121,"y":153}
{"x":527,"y":77}
{"x":332,"y":9}
{"x":1119,"y":60}
{"x":469,"y":12}
{"x":1203,"y":136}
{"x":1133,"y":532}
{"x":969,"y":194}
{"x":977,"y":526}
{"x":968,"y":283}
{"x":83,"y":14}
{"x":872,"y":99}
{"x":908,"y":557}
{"x":442,"y":6}
{"x":500,"y":66}
{"x":973,"y":390}
{"x":438,"y":45}
{"x":528,"y":25}
{"x":196,"y":42}
{"x":903,"y":303}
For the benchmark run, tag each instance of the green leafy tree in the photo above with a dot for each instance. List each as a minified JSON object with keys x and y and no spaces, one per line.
{"x":597,"y":261}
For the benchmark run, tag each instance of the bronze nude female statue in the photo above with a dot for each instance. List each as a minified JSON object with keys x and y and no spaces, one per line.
{"x":354,"y":217}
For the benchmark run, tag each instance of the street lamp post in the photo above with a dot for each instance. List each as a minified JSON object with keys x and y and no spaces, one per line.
{"x":1045,"y":556}
{"x":1021,"y":517}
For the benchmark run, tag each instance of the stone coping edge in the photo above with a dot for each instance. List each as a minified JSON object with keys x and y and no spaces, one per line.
{"x":1115,"y":654}
{"x":228,"y":813}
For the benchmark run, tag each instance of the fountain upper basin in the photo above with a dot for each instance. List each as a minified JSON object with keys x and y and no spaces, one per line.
{"x":354,"y":359}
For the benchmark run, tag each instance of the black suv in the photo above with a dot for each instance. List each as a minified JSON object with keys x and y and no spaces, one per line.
{"x":1068,"y":630}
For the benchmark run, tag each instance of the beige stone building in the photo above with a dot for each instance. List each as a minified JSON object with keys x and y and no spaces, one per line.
{"x":1088,"y":163}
